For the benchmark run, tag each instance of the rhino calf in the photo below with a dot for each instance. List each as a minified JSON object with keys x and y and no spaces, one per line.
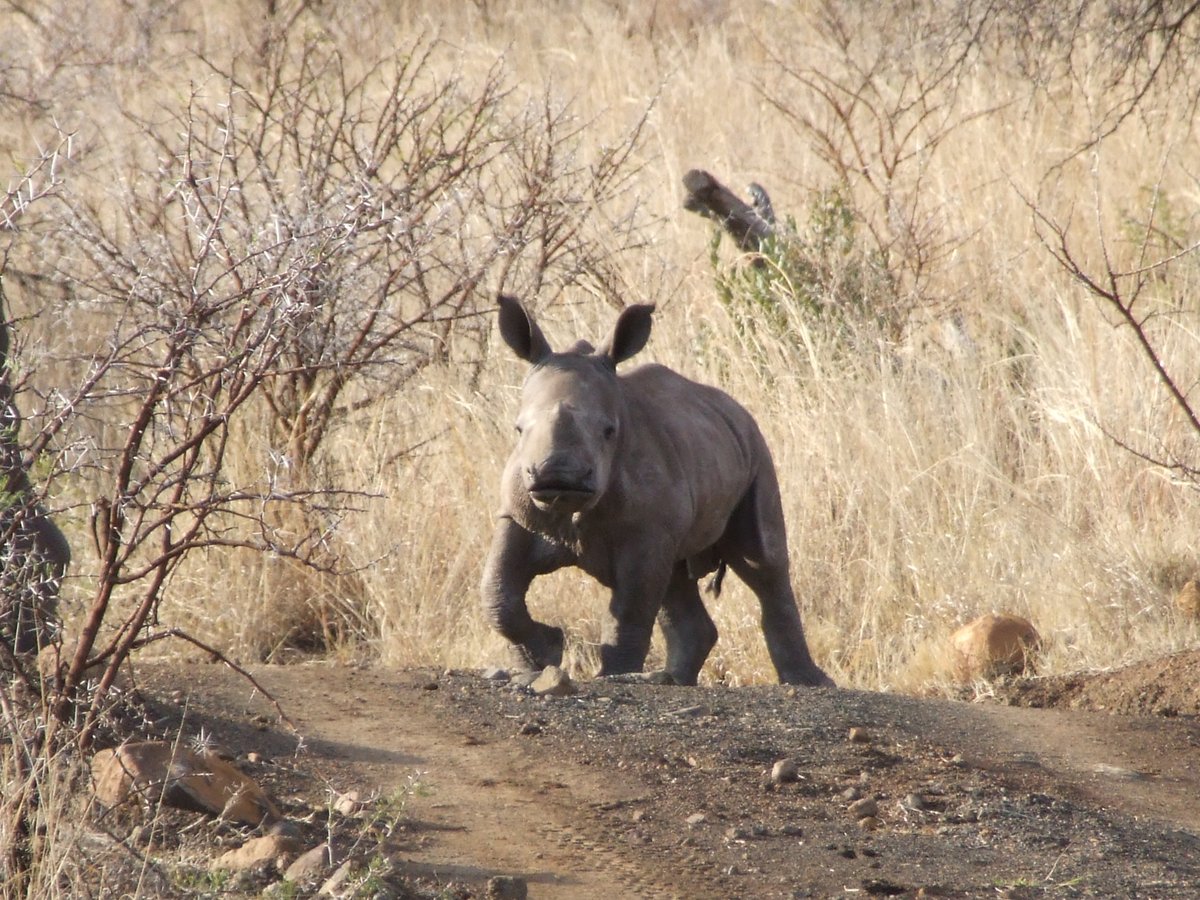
{"x":646,"y":481}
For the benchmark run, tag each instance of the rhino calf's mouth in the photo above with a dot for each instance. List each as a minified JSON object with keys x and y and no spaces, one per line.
{"x":560,"y":499}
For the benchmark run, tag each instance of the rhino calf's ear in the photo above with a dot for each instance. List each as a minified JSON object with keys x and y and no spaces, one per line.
{"x":630,"y":333}
{"x":520,"y":332}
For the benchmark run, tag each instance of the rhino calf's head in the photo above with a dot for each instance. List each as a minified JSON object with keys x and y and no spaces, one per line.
{"x":570,"y":422}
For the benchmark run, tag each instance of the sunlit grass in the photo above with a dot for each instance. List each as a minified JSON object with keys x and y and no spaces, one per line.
{"x":961,"y":467}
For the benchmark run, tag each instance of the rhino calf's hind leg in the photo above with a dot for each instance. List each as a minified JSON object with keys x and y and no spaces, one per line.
{"x":781,"y":624}
{"x":755,"y":547}
{"x":687,"y":627}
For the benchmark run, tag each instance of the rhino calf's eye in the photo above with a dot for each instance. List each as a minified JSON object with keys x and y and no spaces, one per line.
{"x":609,"y":432}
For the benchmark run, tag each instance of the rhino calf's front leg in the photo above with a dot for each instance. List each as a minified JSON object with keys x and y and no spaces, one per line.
{"x":515,"y":559}
{"x":633,"y":608}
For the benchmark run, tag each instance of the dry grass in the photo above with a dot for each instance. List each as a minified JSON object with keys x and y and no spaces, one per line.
{"x":960,"y":469}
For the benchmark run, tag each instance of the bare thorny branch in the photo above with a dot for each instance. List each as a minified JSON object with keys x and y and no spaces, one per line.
{"x":876,"y":110}
{"x":1120,"y":53}
{"x":1123,"y":292}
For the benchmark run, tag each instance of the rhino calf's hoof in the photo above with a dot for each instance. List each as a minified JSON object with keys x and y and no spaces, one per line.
{"x":545,"y":648}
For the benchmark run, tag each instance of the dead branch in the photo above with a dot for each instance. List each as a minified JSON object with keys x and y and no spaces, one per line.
{"x":749,"y":225}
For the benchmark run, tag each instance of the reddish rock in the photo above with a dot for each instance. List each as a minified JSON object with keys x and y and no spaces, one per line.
{"x":1187,"y":601}
{"x":157,"y":771}
{"x":995,"y":645}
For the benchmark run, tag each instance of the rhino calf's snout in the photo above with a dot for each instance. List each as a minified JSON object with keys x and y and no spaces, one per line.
{"x":560,"y":486}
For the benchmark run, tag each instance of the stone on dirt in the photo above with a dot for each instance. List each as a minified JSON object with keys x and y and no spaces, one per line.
{"x":154,"y":771}
{"x":310,"y":865}
{"x":255,"y":852}
{"x":334,"y":884}
{"x":553,"y":682}
{"x":349,"y":803}
{"x":913,"y":801}
{"x":860,"y":809}
{"x":507,"y":887}
{"x":859,"y":736}
{"x":994,"y":645}
{"x":785,"y":771}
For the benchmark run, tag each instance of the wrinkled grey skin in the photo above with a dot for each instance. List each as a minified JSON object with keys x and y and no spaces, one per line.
{"x":647,"y":481}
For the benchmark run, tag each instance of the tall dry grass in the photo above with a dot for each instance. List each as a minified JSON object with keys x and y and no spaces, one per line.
{"x":961,"y":470}
{"x":958,"y":466}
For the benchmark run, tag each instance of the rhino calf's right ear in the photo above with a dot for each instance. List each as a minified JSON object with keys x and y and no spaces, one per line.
{"x":631,"y":333}
{"x":520,"y":332}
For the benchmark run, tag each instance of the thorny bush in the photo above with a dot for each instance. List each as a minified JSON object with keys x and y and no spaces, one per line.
{"x":291,"y":246}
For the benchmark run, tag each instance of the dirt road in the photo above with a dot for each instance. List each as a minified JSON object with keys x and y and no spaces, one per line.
{"x":650,"y":791}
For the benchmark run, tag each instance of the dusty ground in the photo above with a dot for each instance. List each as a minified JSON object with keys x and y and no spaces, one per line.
{"x":650,"y":791}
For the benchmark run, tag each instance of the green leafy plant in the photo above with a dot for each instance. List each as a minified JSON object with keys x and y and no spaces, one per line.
{"x":824,"y":275}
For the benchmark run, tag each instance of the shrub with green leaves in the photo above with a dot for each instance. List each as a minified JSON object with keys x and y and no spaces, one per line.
{"x":822,"y":276}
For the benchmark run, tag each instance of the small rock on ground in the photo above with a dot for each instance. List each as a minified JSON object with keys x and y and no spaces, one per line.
{"x":785,"y":771}
{"x":553,"y":682}
{"x":507,"y":887}
{"x":255,"y":852}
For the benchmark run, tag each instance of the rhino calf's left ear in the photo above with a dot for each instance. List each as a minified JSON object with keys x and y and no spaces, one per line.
{"x":631,"y":332}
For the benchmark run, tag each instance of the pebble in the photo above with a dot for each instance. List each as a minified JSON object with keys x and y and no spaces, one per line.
{"x":696,"y":819}
{"x":869,"y":823}
{"x":553,"y":682}
{"x":785,"y":771}
{"x":851,"y":794}
{"x":348,"y":803}
{"x":913,"y":801}
{"x":859,"y":736}
{"x":507,"y":887}
{"x":863,"y":808}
